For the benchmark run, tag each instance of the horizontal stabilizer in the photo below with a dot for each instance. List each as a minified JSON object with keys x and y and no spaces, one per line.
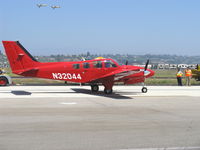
{"x":28,"y":71}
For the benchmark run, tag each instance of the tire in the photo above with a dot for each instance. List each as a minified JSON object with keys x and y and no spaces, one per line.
{"x":106,"y":91}
{"x":3,"y":81}
{"x":144,"y":90}
{"x":95,"y":88}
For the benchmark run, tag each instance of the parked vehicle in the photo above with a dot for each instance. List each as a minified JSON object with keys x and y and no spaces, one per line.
{"x":4,"y":79}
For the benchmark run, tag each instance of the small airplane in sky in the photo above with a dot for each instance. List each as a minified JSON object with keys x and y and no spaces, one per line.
{"x":53,"y":7}
{"x":41,"y":5}
{"x":95,"y":72}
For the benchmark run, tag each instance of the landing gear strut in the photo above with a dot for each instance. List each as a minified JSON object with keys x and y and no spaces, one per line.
{"x":94,"y":88}
{"x":108,"y":84}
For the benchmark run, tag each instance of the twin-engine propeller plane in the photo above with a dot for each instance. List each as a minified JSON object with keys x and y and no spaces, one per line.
{"x":97,"y":71}
{"x":41,"y":5}
{"x":54,"y":7}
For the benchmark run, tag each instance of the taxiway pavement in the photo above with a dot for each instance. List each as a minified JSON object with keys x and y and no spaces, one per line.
{"x":71,"y":117}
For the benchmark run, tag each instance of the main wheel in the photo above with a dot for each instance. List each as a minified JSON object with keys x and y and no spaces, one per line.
{"x":3,"y":81}
{"x":144,"y":90}
{"x":106,"y":91}
{"x":95,"y":88}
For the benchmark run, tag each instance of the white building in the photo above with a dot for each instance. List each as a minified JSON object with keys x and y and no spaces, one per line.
{"x":182,"y":66}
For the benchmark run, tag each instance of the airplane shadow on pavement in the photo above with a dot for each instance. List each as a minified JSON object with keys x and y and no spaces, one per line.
{"x":100,"y":93}
{"x":21,"y":93}
{"x":83,"y":91}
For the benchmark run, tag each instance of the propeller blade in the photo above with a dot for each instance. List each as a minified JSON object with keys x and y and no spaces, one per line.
{"x":146,"y":66}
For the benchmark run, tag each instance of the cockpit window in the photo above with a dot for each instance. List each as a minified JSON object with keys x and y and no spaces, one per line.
{"x":109,"y":64}
{"x":86,"y":65}
{"x":97,"y":64}
{"x":76,"y":66}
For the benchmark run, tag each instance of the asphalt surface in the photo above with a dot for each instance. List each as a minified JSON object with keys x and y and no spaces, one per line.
{"x":73,"y":118}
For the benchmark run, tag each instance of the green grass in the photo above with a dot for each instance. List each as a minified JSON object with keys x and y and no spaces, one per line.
{"x":26,"y":81}
{"x":165,"y":73}
{"x":155,"y":81}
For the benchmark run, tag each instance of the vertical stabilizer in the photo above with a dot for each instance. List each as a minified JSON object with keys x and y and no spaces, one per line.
{"x":19,"y":58}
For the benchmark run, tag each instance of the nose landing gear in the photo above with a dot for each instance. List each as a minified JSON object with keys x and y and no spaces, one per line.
{"x":144,"y":90}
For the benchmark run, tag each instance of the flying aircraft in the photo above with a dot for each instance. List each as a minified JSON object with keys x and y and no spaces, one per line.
{"x":53,"y":7}
{"x":95,"y":72}
{"x":42,"y":5}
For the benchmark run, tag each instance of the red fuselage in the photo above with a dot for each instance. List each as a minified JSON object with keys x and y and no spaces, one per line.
{"x":88,"y":71}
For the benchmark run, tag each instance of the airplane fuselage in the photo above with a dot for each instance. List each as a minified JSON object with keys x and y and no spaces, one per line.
{"x":99,"y":70}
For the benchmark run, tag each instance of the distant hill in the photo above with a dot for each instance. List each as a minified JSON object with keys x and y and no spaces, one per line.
{"x":132,"y":59}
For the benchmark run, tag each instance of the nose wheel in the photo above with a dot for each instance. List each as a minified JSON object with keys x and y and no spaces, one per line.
{"x":144,"y":90}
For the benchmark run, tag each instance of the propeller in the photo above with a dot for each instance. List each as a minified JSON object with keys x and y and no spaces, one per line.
{"x":146,"y":66}
{"x":146,"y":72}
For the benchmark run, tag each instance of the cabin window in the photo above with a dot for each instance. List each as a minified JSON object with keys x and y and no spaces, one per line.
{"x":86,"y":65}
{"x":97,"y":64}
{"x":109,"y":64}
{"x":113,"y":64}
{"x":76,"y":66}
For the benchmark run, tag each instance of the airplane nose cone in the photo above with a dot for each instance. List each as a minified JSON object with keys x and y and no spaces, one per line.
{"x":149,"y":73}
{"x":146,"y":73}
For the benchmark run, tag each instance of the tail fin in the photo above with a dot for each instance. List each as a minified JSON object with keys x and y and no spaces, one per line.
{"x":19,"y":58}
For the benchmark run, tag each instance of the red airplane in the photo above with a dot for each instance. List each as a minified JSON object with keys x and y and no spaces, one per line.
{"x":97,"y":71}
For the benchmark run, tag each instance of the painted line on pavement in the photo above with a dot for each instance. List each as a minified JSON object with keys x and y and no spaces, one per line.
{"x":169,"y":148}
{"x":69,"y":103}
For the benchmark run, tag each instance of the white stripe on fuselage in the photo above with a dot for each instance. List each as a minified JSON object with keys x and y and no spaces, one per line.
{"x":124,"y":74}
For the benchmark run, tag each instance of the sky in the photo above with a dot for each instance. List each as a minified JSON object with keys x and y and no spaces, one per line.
{"x":103,"y":26}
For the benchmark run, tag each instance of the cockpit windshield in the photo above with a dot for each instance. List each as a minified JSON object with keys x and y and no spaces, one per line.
{"x":109,"y":64}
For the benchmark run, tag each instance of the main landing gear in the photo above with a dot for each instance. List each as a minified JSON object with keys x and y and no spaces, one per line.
{"x":108,"y":91}
{"x":95,"y":88}
{"x":106,"y":82}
